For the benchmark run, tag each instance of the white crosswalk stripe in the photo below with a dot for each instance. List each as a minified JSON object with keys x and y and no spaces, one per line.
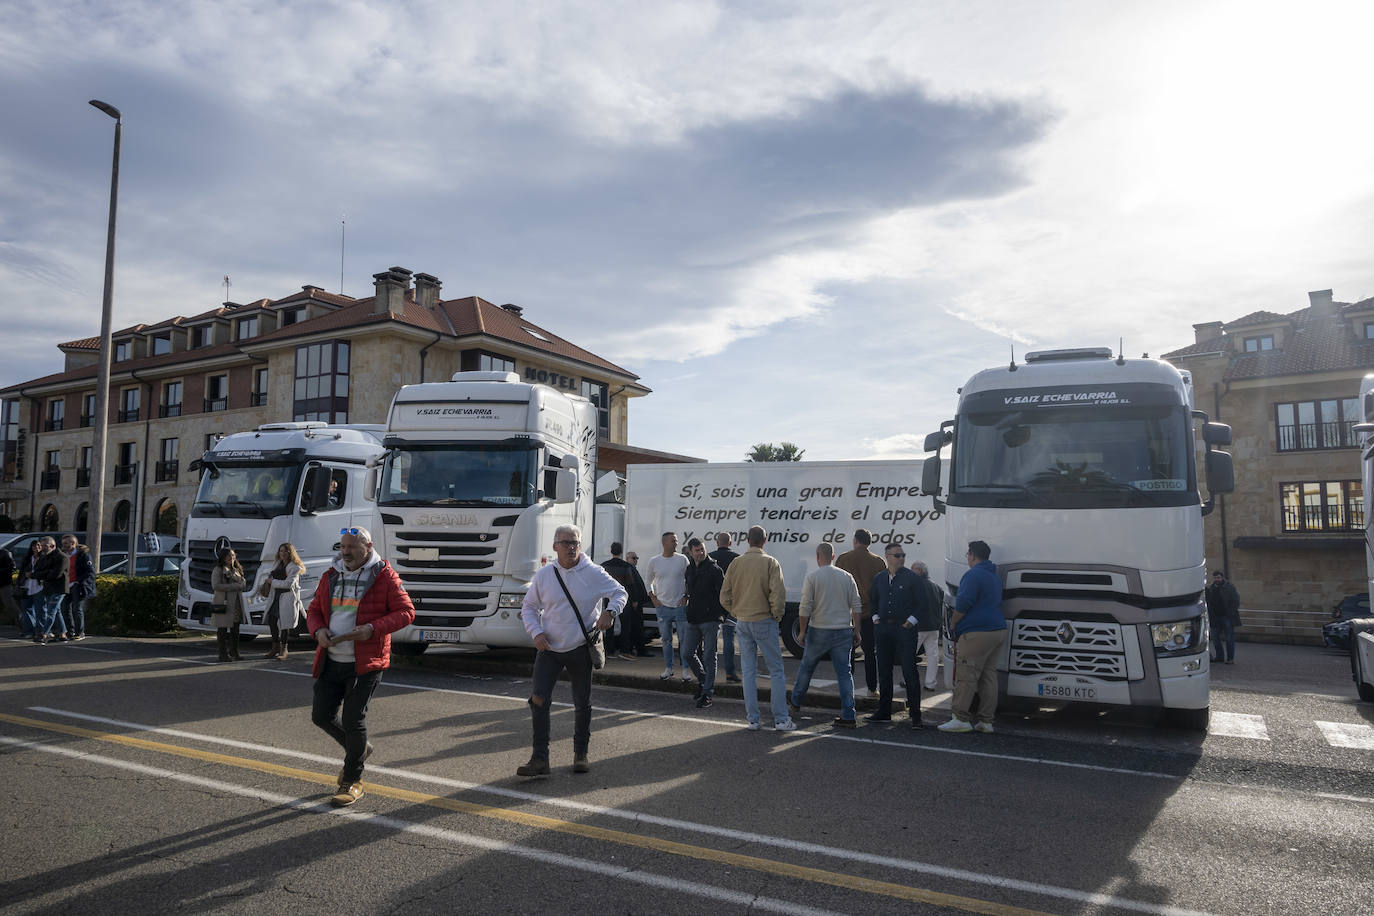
{"x":1343,"y":734}
{"x":1238,"y":725}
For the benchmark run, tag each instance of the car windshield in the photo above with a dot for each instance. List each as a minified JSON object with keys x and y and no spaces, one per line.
{"x":461,"y":474}
{"x":256,"y":490}
{"x":1073,"y":457}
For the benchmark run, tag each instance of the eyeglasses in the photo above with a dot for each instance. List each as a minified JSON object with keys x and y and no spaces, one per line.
{"x":567,"y":543}
{"x":353,"y":531}
{"x":898,"y":555}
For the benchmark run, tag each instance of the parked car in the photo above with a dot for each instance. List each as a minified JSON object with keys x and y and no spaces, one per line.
{"x":1336,"y":634}
{"x":110,"y":541}
{"x":149,"y":564}
{"x":1362,"y":657}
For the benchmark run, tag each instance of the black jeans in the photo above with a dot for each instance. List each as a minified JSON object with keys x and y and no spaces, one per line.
{"x":897,"y":643}
{"x":870,"y":659}
{"x":339,"y":686}
{"x":547,"y":667}
{"x":631,"y":630}
{"x":74,"y":614}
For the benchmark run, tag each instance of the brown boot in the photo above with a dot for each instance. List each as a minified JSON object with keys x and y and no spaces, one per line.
{"x":281,"y":649}
{"x":273,"y":652}
{"x":222,"y":642}
{"x":233,"y":640}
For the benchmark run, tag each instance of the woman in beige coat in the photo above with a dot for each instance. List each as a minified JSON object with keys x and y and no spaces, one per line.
{"x":228,"y":583}
{"x":282,"y":588}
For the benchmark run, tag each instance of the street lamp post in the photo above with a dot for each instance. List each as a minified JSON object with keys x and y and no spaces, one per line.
{"x":96,"y":517}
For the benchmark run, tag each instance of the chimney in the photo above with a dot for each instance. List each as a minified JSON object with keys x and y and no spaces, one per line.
{"x":1208,"y":330}
{"x":513,"y":309}
{"x":427,"y":291}
{"x":1321,"y":302}
{"x":391,"y":290}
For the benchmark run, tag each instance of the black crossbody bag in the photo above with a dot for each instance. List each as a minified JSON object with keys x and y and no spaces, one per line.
{"x":595,"y":648}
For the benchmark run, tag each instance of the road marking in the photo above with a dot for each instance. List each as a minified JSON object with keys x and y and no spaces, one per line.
{"x":663,"y":882}
{"x":538,"y":821}
{"x":585,"y":808}
{"x":1238,"y":725}
{"x":1341,"y":734}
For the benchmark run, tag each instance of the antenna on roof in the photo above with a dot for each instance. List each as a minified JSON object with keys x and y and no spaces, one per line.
{"x":227,"y":284}
{"x":1012,"y":367}
{"x":343,"y":228}
{"x":1121,"y":351}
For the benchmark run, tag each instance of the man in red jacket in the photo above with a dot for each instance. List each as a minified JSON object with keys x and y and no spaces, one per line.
{"x":359,"y":603}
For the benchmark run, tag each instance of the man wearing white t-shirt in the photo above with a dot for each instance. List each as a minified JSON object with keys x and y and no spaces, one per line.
{"x":668,"y":590}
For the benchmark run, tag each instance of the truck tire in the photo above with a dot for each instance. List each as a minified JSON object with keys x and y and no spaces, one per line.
{"x":1362,"y":678}
{"x":409,"y":648}
{"x":1191,"y":720}
{"x":789,"y":626}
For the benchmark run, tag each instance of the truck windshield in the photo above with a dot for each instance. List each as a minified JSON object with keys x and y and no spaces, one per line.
{"x":460,"y":474}
{"x":1074,"y":458}
{"x":246,"y":491}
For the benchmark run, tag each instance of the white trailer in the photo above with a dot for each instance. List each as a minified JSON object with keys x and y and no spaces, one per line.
{"x":1362,"y":631}
{"x":478,"y":473}
{"x":801,"y":504}
{"x":1079,"y":470}
{"x":282,"y":482}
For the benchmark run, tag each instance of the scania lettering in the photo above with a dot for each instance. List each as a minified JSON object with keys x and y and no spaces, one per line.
{"x":477,"y":474}
{"x":283,"y":482}
{"x":1080,"y":471}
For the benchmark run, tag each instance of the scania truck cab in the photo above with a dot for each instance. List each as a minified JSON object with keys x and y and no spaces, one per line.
{"x":478,"y":473}
{"x":1080,"y":471}
{"x":282,"y":482}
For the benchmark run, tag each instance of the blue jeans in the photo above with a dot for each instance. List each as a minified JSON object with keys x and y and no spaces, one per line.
{"x":1224,"y":637}
{"x":700,"y":643}
{"x":762,"y":636}
{"x":836,"y":643}
{"x":897,"y":643}
{"x":74,"y":612}
{"x":29,"y":614}
{"x":727,"y":639}
{"x":669,"y":617}
{"x":49,"y":616}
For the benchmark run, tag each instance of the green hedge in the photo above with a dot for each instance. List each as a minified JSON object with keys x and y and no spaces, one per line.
{"x":122,"y":605}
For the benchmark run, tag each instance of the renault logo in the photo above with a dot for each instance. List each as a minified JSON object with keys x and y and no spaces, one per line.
{"x":1065,"y":633}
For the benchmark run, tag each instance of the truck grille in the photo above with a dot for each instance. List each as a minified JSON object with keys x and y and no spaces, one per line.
{"x":1061,"y":645}
{"x":1042,"y":661}
{"x":202,"y":561}
{"x":1105,"y":637}
{"x":447,"y":590}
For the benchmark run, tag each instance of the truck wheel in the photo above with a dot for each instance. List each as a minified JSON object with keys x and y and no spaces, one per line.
{"x":1191,"y":720}
{"x":409,"y":648}
{"x":790,"y":626}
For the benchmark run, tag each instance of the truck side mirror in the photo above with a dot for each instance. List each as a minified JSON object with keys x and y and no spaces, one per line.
{"x":935,"y":440}
{"x":1221,"y":474}
{"x":370,"y":484}
{"x":930,"y":477}
{"x":1216,"y":434}
{"x":565,"y":485}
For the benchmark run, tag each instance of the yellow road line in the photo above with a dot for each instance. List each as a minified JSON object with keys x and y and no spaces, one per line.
{"x":737,"y":860}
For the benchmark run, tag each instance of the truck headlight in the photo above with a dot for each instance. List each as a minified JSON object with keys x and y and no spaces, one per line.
{"x":183,"y":588}
{"x":514,"y":601}
{"x":1179,"y":636}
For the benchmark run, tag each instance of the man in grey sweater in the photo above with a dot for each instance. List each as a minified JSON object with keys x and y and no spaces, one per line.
{"x":828,"y":622}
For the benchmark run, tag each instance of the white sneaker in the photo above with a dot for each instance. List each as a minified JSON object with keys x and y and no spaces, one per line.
{"x":686,"y":679}
{"x":667,"y":673}
{"x":956,"y":725}
{"x":753,"y":726}
{"x":870,"y":694}
{"x":984,"y":728}
{"x":786,"y":725}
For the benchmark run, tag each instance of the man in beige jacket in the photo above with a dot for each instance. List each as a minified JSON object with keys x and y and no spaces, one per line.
{"x":753,"y":592}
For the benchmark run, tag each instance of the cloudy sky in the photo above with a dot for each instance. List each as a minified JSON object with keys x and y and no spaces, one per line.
{"x":794,"y":220}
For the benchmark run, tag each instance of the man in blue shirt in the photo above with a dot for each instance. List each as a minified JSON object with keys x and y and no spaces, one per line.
{"x":979,"y":630}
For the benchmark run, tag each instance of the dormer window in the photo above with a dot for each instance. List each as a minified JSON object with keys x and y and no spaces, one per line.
{"x":201,"y":336}
{"x":161,"y":344}
{"x":292,"y":316}
{"x":123,"y":350}
{"x":1369,"y":330}
{"x":247,"y":327}
{"x":1259,"y":344}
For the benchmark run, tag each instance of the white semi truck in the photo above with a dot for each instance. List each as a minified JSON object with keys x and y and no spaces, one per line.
{"x":801,"y":504}
{"x":477,"y":474}
{"x":1080,"y":471}
{"x":1362,"y":631}
{"x":282,"y":482}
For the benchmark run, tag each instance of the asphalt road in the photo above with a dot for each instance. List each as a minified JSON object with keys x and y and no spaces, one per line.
{"x":140,"y":776}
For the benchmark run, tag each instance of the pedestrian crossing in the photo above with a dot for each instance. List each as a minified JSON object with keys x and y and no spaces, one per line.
{"x":1359,"y":736}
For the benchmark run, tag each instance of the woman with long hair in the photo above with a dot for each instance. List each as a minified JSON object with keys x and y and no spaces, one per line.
{"x":227,"y":610}
{"x":282,"y":588}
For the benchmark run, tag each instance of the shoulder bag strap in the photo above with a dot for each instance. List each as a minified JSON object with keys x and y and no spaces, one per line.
{"x":577,"y":612}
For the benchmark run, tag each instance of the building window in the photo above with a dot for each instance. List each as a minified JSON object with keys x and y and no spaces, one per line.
{"x":47,"y":519}
{"x":1369,"y":330}
{"x":167,"y":464}
{"x":202,"y":336}
{"x":124,"y":466}
{"x":292,"y":316}
{"x":87,"y":409}
{"x":161,"y":345}
{"x":83,"y":470}
{"x":9,"y":438}
{"x":171,"y":400}
{"x":83,"y":516}
{"x":128,"y":405}
{"x":321,"y":382}
{"x":1259,"y":344}
{"x":490,"y":362}
{"x":123,"y":350}
{"x":121,"y":516}
{"x":211,"y":439}
{"x":51,"y":478}
{"x":259,"y":396}
{"x":56,"y":407}
{"x":247,"y":327}
{"x":1326,"y":505}
{"x":600,"y":395}
{"x":165,"y":517}
{"x":1317,"y":424}
{"x":216,"y":393}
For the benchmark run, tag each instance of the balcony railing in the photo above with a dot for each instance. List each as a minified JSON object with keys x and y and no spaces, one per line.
{"x":213,"y":404}
{"x":127,"y":416}
{"x":83,"y":478}
{"x":123,"y":474}
{"x":1332,"y":517}
{"x":50,"y":479}
{"x":87,"y":420}
{"x":166,"y":470}
{"x":1333,"y":434}
{"x":51,"y":425}
{"x":257,"y":398}
{"x":169,"y":410}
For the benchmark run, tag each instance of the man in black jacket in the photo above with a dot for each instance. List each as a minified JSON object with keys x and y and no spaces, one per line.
{"x":704,"y":614}
{"x":50,"y":570}
{"x":80,"y":586}
{"x":723,"y":557}
{"x":7,"y":589}
{"x":898,"y":601}
{"x":629,"y":643}
{"x":1223,"y":611}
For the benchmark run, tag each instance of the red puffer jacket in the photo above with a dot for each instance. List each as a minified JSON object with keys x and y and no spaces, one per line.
{"x":385,"y":605}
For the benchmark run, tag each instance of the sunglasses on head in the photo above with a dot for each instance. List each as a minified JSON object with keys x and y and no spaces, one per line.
{"x":353,"y":531}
